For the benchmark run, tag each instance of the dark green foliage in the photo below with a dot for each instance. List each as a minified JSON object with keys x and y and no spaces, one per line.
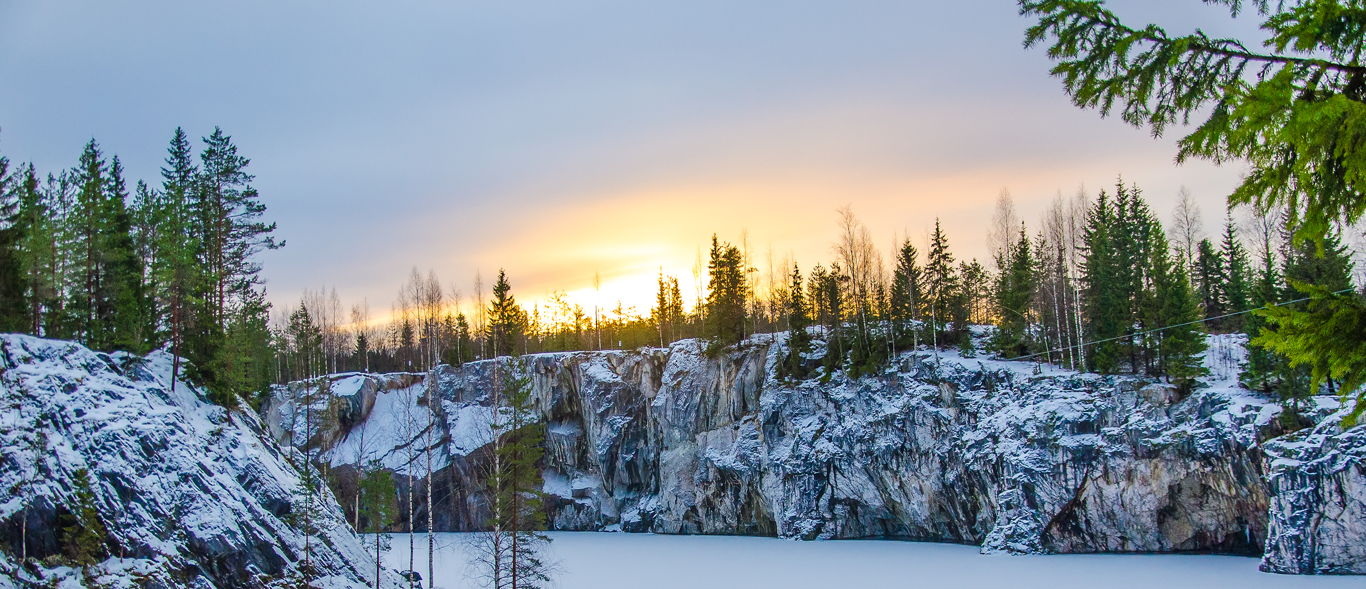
{"x":1103,"y":297}
{"x":1292,"y":111}
{"x":1210,"y":279}
{"x":1236,"y":288}
{"x":907,"y":296}
{"x":1014,"y":293}
{"x":798,"y":320}
{"x":1173,"y":309}
{"x":1302,"y":364}
{"x":726,"y":294}
{"x":13,"y":295}
{"x":946,"y":304}
{"x":507,"y":321}
{"x":82,"y":531}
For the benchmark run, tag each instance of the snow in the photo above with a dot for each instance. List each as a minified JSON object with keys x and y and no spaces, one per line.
{"x":600,"y":560}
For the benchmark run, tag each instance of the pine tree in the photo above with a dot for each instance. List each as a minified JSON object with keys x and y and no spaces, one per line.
{"x":507,"y":321}
{"x":1014,"y":293}
{"x":943,"y":289}
{"x":1210,"y":279}
{"x":726,"y":294}
{"x":225,"y":212}
{"x":1103,"y":300}
{"x":1236,"y":288}
{"x":13,"y":295}
{"x":82,"y":531}
{"x":798,"y":319}
{"x":1296,"y":122}
{"x":1174,"y":310}
{"x":906,"y":296}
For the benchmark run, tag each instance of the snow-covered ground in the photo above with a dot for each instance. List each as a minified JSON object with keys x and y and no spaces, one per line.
{"x":597,"y":560}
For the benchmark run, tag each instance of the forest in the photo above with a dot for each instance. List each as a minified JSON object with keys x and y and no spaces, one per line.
{"x":1098,"y":284}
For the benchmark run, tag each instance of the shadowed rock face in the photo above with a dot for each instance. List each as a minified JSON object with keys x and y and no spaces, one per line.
{"x":190,"y":495}
{"x":948,"y":449}
{"x":1318,"y":512}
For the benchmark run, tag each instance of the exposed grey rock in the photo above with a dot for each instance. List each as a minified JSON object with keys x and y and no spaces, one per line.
{"x":1013,"y":457}
{"x":190,"y":495}
{"x":1318,"y":510}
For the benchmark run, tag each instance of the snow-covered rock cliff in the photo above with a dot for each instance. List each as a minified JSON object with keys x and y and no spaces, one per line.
{"x":1318,"y":507}
{"x":189,"y":495}
{"x":1014,"y":457}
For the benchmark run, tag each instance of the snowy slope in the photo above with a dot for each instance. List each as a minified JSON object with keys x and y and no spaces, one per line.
{"x":191,"y":496}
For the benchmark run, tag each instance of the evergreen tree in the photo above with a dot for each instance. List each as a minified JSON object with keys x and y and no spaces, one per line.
{"x":1263,"y":365}
{"x":726,"y":294}
{"x":1102,"y":296}
{"x":121,"y":308}
{"x":37,"y":252}
{"x":1014,"y":293}
{"x":1297,"y":122}
{"x":1236,"y":288}
{"x":82,"y":531}
{"x":906,"y":296}
{"x":225,"y":212}
{"x":1309,"y":362}
{"x":378,"y":511}
{"x":507,"y":321}
{"x":1210,"y":278}
{"x":13,"y":295}
{"x":89,"y":177}
{"x":1174,"y":310}
{"x":511,"y":552}
{"x":943,"y":289}
{"x":798,"y":319}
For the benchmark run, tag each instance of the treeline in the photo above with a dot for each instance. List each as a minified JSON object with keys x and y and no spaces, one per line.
{"x":1098,"y":285}
{"x":171,"y":264}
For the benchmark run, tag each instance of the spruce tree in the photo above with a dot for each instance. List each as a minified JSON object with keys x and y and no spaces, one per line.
{"x":944,"y":290}
{"x":1297,"y":121}
{"x":1263,"y":365}
{"x":82,"y":531}
{"x":1292,"y":332}
{"x":1103,"y":300}
{"x":798,"y":319}
{"x":1236,"y":288}
{"x":83,"y":305}
{"x":507,"y":321}
{"x":906,"y":296}
{"x":1210,"y":279}
{"x":1174,"y":310}
{"x":13,"y":295}
{"x":122,"y":307}
{"x":726,"y":294}
{"x":1014,"y":293}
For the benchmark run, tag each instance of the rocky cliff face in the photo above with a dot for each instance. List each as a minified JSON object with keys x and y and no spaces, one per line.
{"x":1318,"y":507}
{"x":1011,"y":456}
{"x":189,"y":495}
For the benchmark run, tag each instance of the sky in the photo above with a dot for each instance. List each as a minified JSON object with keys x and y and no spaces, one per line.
{"x":563,"y":140}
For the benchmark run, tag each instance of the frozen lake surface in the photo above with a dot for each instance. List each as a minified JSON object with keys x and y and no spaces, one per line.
{"x":597,"y":560}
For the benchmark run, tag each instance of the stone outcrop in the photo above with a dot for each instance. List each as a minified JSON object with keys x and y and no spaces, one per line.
{"x":1318,"y":506}
{"x":188,"y":494}
{"x":1010,"y":456}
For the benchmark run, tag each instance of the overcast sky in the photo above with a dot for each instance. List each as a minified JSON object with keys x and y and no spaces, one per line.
{"x":559,"y":139}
